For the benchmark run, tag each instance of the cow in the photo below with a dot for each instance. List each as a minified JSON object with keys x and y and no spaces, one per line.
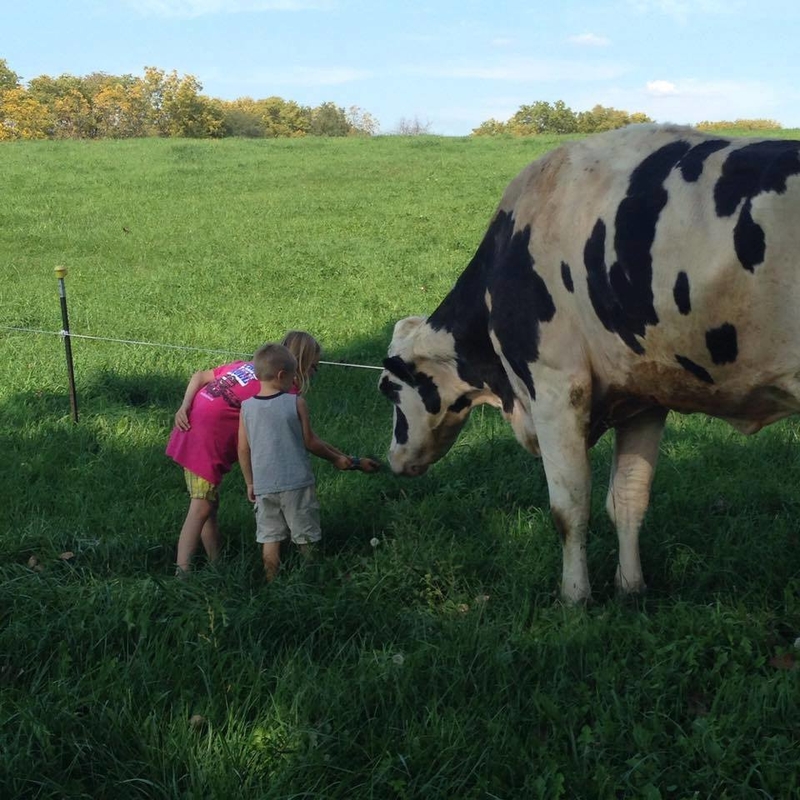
{"x":624,"y":275}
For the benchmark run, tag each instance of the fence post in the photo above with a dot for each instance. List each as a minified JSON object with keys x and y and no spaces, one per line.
{"x":61,"y":273}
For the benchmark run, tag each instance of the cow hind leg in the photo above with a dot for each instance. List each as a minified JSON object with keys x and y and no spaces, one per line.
{"x":635,"y":457}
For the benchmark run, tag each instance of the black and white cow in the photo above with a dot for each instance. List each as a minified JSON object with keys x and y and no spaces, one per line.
{"x":624,"y":275}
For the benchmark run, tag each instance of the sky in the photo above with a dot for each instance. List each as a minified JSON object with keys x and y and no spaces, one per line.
{"x":448,"y":65}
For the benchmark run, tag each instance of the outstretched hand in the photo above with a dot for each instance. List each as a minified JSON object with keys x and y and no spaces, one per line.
{"x":365,"y":464}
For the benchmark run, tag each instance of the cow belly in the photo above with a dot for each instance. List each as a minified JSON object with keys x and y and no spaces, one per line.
{"x":748,"y":408}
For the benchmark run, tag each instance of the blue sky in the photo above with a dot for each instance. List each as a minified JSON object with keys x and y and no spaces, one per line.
{"x":449,"y":64}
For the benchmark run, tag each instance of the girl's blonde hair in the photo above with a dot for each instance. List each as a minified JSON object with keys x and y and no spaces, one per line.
{"x":305,"y":348}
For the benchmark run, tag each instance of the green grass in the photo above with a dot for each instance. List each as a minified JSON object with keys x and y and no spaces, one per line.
{"x":438,"y":663}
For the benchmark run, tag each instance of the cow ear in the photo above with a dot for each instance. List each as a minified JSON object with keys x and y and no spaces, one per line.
{"x":399,"y":368}
{"x":406,"y":327}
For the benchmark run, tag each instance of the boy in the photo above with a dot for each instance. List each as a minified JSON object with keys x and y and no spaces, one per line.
{"x":275,"y":437}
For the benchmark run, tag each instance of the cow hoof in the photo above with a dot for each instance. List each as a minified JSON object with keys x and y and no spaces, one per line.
{"x":576,"y":599}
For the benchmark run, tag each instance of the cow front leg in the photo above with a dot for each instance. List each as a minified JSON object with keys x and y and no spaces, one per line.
{"x":635,"y":456}
{"x":561,"y":424}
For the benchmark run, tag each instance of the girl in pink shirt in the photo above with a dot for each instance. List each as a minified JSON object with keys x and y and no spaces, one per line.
{"x":205,"y":437}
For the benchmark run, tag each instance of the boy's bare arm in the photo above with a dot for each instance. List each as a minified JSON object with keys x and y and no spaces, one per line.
{"x":243,"y":449}
{"x":316,"y":445}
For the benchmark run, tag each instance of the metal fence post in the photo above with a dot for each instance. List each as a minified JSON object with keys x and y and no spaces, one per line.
{"x":61,"y":273}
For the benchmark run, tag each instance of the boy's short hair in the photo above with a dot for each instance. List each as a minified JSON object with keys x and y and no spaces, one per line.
{"x":270,"y":359}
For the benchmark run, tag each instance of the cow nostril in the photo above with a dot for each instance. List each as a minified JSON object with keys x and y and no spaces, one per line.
{"x":415,"y":470}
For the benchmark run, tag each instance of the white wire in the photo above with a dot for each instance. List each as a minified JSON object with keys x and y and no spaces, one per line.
{"x":63,"y":333}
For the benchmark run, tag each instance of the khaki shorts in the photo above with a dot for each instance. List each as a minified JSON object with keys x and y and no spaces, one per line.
{"x":199,"y":488}
{"x":293,"y":514}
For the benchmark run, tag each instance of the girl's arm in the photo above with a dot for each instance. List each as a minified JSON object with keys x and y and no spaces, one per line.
{"x":316,"y":445}
{"x":243,"y":449}
{"x":196,"y":383}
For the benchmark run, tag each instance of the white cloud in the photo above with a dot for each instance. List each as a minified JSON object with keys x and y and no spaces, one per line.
{"x":590,"y":39}
{"x":199,"y":8}
{"x":660,"y":88}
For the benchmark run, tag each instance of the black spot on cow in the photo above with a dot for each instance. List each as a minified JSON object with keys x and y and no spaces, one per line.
{"x":622,"y":295}
{"x":748,"y":239}
{"x":390,"y":389}
{"x":747,"y":172}
{"x":692,"y":163}
{"x":722,"y":345}
{"x":421,"y":381}
{"x":460,"y":404}
{"x":520,"y":302}
{"x":397,"y":366}
{"x":604,"y":302}
{"x":681,"y":293}
{"x":465,"y":315}
{"x":428,"y":392}
{"x":634,"y":232}
{"x":400,"y":426}
{"x":694,"y":369}
{"x":566,"y":276}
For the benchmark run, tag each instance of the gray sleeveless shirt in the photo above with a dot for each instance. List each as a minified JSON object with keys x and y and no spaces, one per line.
{"x":277,"y":451}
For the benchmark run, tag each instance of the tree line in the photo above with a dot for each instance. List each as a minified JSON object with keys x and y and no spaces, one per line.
{"x":542,"y":117}
{"x":159,"y":103}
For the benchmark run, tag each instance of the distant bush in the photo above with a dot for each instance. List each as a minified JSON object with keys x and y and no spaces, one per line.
{"x":746,"y":124}
{"x":542,"y":117}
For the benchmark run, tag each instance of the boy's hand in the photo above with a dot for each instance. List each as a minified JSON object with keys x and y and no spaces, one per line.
{"x":250,"y":495}
{"x":365,"y":464}
{"x":342,"y":462}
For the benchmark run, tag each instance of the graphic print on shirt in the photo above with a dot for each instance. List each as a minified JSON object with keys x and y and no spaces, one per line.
{"x":223,"y":386}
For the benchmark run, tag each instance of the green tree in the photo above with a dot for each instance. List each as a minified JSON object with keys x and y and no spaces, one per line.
{"x":328,"y":119}
{"x":283,"y":117}
{"x":542,"y":117}
{"x":8,"y":78}
{"x":491,"y":127}
{"x":241,"y":117}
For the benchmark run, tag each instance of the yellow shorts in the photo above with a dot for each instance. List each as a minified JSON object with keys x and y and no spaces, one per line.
{"x":199,"y":488}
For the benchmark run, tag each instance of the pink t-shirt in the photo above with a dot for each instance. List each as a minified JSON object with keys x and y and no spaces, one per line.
{"x":208,"y":448}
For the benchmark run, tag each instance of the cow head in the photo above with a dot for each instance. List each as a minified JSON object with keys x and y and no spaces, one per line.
{"x":431,"y":402}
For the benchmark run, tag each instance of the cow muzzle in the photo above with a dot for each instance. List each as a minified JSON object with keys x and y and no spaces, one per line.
{"x":405,"y":468}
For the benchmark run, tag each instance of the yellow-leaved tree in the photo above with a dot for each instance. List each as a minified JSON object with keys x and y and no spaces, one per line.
{"x":22,"y":116}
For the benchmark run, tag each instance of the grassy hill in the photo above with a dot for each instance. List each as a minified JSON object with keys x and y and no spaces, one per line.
{"x":423,"y":653}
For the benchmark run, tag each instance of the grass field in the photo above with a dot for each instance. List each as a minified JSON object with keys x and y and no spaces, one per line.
{"x":435,"y":664}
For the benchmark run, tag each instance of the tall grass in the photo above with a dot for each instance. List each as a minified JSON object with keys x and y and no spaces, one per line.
{"x":435,"y":663}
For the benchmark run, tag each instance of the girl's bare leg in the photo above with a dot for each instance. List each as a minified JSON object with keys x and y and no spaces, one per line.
{"x":198,"y":516}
